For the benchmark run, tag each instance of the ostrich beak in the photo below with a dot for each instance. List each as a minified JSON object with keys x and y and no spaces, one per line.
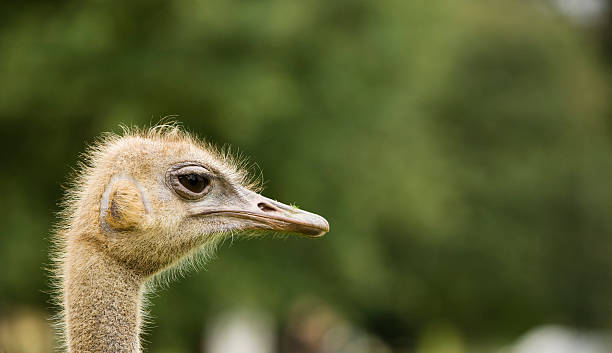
{"x":261,"y":213}
{"x":284,"y":218}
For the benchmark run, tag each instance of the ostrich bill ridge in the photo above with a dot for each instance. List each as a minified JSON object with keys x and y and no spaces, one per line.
{"x":142,"y":202}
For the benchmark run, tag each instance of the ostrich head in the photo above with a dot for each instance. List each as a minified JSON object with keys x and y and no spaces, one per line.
{"x":151,"y":198}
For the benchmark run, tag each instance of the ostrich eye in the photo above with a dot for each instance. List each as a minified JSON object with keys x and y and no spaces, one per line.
{"x":195,"y":183}
{"x":190,"y":181}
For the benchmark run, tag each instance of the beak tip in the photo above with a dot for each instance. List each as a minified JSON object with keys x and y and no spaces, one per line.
{"x":322,"y":227}
{"x":325,"y":226}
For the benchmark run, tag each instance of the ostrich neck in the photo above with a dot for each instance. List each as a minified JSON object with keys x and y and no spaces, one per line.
{"x":102,"y":302}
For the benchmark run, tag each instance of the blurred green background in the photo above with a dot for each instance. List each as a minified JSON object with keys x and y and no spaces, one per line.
{"x":461,"y":151}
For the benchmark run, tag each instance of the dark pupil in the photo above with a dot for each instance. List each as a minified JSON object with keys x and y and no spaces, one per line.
{"x":193,"y":182}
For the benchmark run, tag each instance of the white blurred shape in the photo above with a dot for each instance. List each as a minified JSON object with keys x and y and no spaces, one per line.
{"x":346,"y":338}
{"x":583,"y":11}
{"x":558,"y":339}
{"x":240,"y":331}
{"x":316,"y":327}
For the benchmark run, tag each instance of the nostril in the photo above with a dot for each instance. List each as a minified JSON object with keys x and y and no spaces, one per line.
{"x":266,"y":207}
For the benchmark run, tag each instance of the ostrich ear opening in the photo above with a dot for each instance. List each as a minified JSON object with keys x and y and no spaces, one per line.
{"x":125,"y":209}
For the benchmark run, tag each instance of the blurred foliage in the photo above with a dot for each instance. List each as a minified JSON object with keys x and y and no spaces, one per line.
{"x":460,"y":150}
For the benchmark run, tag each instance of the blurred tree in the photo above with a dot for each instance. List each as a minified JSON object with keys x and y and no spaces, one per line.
{"x":460,"y":150}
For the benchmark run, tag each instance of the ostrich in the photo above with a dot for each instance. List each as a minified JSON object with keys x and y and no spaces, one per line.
{"x":141,"y":203}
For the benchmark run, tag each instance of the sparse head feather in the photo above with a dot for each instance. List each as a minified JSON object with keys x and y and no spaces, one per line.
{"x":232,"y":163}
